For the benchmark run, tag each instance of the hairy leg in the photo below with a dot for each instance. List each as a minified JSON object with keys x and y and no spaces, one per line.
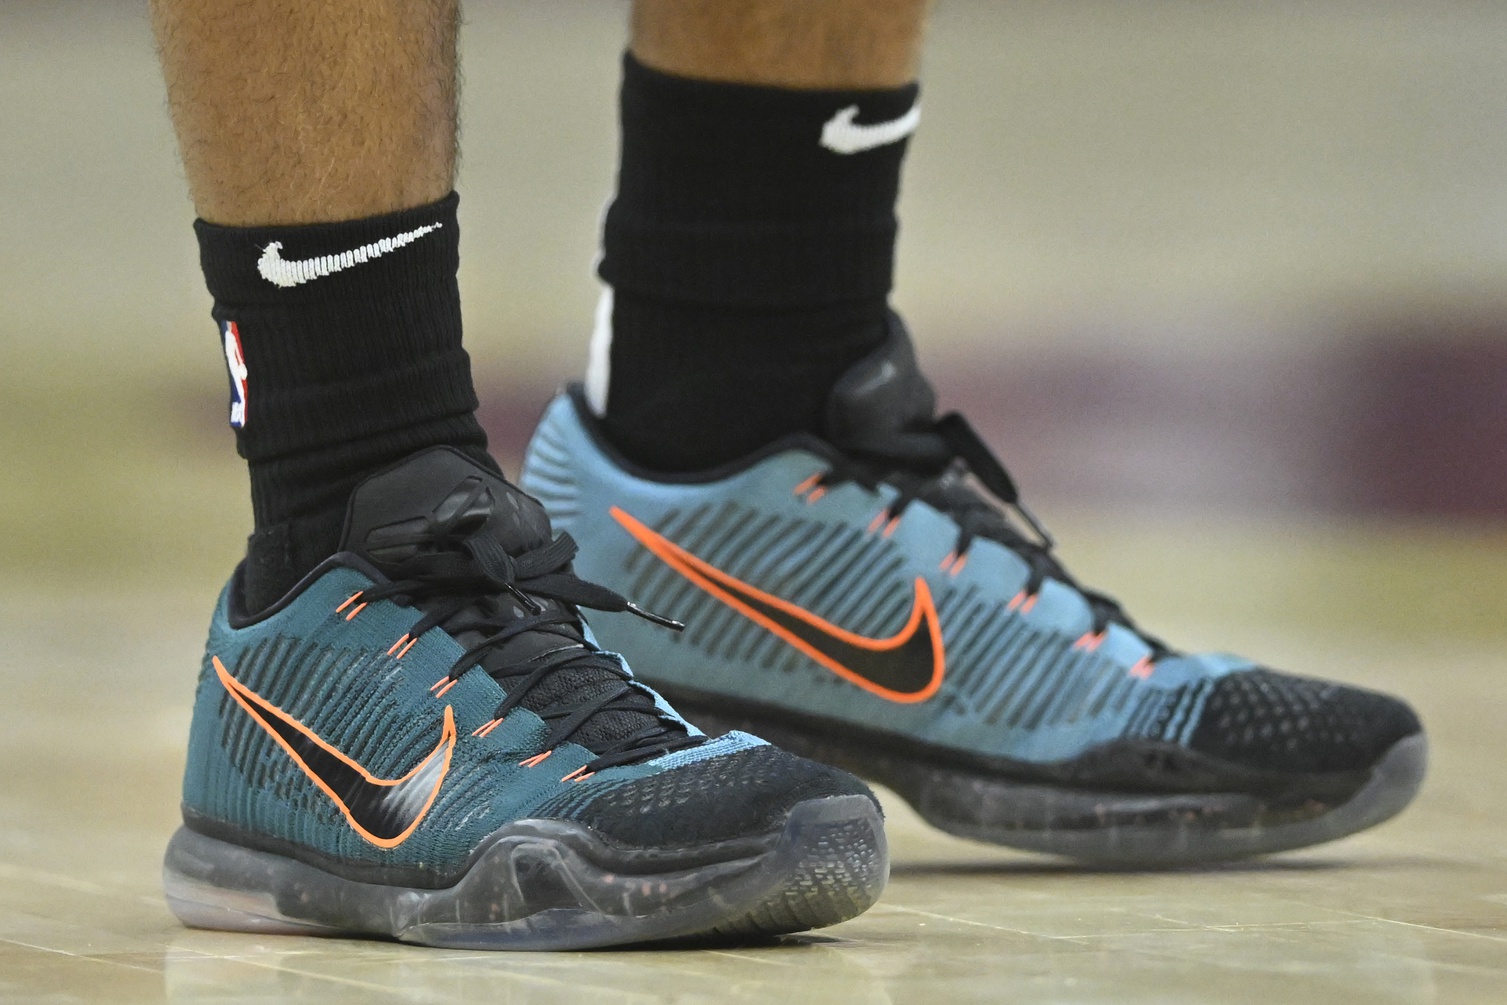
{"x":846,"y":44}
{"x":290,"y":112}
{"x":319,"y":140}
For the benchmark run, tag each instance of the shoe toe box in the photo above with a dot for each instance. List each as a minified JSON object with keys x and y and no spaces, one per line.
{"x":1288,"y":724}
{"x":743,"y":794}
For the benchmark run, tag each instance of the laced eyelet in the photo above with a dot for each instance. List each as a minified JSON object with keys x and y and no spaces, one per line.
{"x":460,"y":575}
{"x":933,"y":461}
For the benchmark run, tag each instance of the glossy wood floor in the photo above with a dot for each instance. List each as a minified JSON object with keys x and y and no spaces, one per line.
{"x":97,"y":688}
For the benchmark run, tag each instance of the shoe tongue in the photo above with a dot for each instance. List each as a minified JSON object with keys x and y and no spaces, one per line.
{"x":881,"y":395}
{"x":434,"y":485}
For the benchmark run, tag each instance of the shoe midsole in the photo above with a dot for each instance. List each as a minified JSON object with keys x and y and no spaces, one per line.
{"x":1139,"y":780}
{"x":586,"y":842}
{"x":535,"y":885}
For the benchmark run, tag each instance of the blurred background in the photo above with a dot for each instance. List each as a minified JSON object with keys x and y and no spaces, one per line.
{"x":1223,"y":283}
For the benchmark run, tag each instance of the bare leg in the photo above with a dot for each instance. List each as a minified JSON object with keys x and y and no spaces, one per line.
{"x":783,"y":43}
{"x":319,"y":140}
{"x":290,"y":112}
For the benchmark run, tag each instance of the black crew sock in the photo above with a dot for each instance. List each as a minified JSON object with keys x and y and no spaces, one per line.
{"x":750,"y":262}
{"x":344,"y":343}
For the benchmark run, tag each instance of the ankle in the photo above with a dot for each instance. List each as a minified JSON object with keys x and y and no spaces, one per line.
{"x":692,"y":388}
{"x":750,"y":261}
{"x":344,"y":347}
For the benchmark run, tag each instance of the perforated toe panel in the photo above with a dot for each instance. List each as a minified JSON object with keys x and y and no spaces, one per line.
{"x":1279,"y":722}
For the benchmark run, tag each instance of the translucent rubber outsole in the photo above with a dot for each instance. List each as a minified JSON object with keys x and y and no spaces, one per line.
{"x":1116,"y":829}
{"x":1156,"y":831}
{"x":550,"y":884}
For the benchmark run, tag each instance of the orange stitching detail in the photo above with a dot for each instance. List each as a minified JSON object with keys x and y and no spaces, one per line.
{"x":957,"y":566}
{"x":529,"y":762}
{"x":400,"y":641}
{"x":348,"y":601}
{"x":803,"y":486}
{"x":889,"y":528}
{"x":577,"y":776}
{"x":405,"y":649}
{"x":1090,"y":640}
{"x":874,"y":523}
{"x":354,"y":611}
{"x":1143,"y":668}
{"x":486,"y":727}
{"x":816,"y":494}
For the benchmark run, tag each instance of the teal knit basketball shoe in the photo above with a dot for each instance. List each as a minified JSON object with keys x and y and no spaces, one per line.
{"x":860,"y":598}
{"x":422,"y":741}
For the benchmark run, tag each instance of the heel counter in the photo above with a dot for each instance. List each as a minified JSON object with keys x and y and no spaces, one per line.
{"x":550,"y":473}
{"x":204,"y":726}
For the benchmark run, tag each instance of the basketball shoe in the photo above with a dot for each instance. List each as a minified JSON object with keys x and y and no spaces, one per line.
{"x":861,"y":599}
{"x":422,"y":741}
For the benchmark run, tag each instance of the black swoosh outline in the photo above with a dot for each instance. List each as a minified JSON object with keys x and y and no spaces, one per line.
{"x":907,"y":667}
{"x":384,"y":811}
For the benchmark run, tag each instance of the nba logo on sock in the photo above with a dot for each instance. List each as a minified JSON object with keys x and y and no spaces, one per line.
{"x":235,"y":360}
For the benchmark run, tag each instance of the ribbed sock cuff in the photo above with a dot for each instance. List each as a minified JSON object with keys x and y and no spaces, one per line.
{"x":347,"y":330}
{"x":727,"y":195}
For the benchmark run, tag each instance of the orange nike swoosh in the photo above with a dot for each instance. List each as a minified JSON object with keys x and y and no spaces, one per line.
{"x":907,"y":667}
{"x":384,"y":811}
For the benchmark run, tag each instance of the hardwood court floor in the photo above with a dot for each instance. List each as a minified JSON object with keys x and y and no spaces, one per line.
{"x":96,"y":689}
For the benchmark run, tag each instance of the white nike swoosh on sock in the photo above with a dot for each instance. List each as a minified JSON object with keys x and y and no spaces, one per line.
{"x":841,"y":135}
{"x":283,"y":273}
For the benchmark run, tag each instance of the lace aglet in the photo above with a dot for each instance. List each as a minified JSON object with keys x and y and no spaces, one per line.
{"x":664,"y":622}
{"x":534,"y":607}
{"x":1046,"y":540}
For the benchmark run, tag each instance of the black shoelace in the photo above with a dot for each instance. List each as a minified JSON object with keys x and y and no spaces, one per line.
{"x":931,"y":461}
{"x":465,"y":582}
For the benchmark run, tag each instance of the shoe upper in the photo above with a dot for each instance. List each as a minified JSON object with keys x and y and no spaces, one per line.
{"x":432,"y":683}
{"x":885,"y":576}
